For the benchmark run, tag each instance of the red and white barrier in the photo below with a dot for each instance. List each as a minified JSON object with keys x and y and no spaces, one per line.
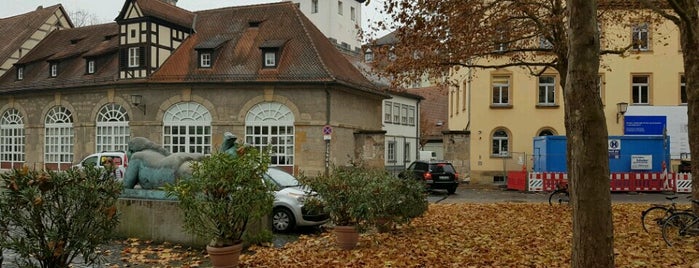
{"x":626,"y":182}
{"x":683,"y":182}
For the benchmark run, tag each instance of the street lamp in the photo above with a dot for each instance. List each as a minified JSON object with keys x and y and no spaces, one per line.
{"x":621,"y":110}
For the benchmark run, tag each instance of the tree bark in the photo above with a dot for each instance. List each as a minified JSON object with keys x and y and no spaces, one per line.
{"x":689,"y":40}
{"x":586,"y":130}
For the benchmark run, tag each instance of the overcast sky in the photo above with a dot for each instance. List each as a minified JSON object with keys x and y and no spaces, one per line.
{"x":107,"y":10}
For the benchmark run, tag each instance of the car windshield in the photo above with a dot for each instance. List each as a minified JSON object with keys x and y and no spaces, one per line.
{"x":443,"y":168}
{"x":282,"y":178}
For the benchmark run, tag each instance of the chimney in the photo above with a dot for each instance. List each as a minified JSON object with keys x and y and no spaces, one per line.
{"x":172,"y":2}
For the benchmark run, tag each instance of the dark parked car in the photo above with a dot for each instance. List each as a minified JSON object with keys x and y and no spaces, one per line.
{"x":435,"y":173}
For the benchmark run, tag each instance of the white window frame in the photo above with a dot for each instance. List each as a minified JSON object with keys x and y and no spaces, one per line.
{"x":500,"y":143}
{"x":547,"y":91}
{"x":58,"y":136}
{"x":411,"y":115}
{"x":404,"y":114}
{"x":112,"y":129}
{"x":205,"y":60}
{"x":12,"y":138}
{"x":388,"y":109}
{"x":134,"y":57}
{"x":406,"y":152}
{"x":20,"y":73}
{"x":270,"y":59}
{"x":90,"y":66}
{"x":641,"y":37}
{"x":391,"y":151}
{"x":502,"y":89}
{"x":639,"y":90}
{"x":314,"y":6}
{"x":396,"y":113}
{"x":54,"y":69}
{"x":187,"y":128}
{"x":353,"y":15}
{"x":271,"y":125}
{"x":368,"y":56}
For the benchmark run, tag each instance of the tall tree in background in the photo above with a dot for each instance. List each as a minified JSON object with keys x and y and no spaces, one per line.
{"x":439,"y":37}
{"x":685,"y":14}
{"x":82,"y":18}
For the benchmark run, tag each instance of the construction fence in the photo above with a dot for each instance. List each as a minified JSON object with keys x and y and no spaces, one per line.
{"x":618,"y":182}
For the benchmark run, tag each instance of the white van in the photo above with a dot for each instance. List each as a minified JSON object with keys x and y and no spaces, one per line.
{"x":118,"y":159}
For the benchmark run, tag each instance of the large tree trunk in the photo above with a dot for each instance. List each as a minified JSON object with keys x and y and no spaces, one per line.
{"x":586,"y":130}
{"x":689,"y":40}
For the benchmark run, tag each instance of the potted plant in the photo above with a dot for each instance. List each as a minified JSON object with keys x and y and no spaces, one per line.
{"x":223,"y":195}
{"x":395,"y":201}
{"x":346,"y":200}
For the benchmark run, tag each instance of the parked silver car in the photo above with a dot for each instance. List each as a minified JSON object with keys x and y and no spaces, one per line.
{"x":289,"y":197}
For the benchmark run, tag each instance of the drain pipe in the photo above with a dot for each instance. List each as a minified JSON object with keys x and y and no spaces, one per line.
{"x":327,"y":123}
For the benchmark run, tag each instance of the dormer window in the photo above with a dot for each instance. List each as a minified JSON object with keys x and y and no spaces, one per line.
{"x":90,"y":66}
{"x":368,"y":56}
{"x":20,"y":73}
{"x":270,"y":59}
{"x":53,"y":69}
{"x":204,"y":59}
{"x":271,"y":53}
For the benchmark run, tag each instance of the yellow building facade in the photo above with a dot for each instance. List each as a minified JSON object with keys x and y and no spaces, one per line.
{"x":504,"y":109}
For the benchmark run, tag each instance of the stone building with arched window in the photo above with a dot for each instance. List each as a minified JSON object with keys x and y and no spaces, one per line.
{"x":182,"y":79}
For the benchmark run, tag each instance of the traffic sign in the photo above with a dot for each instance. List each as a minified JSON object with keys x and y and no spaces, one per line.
{"x":327,"y":130}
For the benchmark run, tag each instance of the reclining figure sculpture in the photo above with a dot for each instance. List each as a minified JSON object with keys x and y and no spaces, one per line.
{"x":151,"y":166}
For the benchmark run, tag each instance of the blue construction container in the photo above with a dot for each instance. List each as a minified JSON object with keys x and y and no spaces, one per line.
{"x":626,"y":153}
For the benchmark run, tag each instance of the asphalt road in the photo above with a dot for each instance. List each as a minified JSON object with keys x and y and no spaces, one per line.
{"x":487,"y":194}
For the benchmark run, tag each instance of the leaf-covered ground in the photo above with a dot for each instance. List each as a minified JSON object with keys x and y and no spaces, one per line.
{"x":458,"y":235}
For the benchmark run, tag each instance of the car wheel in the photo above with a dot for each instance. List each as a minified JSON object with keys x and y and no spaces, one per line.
{"x":451,"y":190}
{"x":282,"y":220}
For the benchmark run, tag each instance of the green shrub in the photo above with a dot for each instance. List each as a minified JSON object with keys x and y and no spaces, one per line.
{"x":223,"y":195}
{"x":363,"y":196}
{"x":396,"y":201}
{"x":49,"y":218}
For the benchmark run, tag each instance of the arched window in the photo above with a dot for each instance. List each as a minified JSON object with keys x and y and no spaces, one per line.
{"x":272,"y":124}
{"x":112,"y":128}
{"x":12,"y":139}
{"x":187,"y":128}
{"x":500,"y":143}
{"x":58,"y":144}
{"x":546,"y":132}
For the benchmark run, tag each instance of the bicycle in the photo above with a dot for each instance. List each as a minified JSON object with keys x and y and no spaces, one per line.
{"x":560,"y":195}
{"x":652,"y":219}
{"x":682,"y":228}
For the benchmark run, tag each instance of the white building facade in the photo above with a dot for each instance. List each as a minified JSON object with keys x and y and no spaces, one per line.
{"x":339,"y":20}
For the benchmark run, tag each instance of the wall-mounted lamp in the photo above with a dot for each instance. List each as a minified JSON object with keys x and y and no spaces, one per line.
{"x":621,"y":110}
{"x":136,"y":102}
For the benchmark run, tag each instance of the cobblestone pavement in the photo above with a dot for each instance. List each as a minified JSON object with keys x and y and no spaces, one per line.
{"x":465,"y":194}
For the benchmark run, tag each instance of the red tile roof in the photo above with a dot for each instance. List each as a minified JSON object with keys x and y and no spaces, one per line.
{"x":69,"y":48}
{"x":14,"y":31}
{"x":234,"y":34}
{"x":307,"y":55}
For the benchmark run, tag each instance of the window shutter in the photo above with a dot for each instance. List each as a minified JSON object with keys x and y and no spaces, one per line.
{"x":123,"y":58}
{"x":142,"y":56}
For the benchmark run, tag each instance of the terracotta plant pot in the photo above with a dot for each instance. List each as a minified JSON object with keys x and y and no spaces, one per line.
{"x":347,"y":237}
{"x":224,"y":257}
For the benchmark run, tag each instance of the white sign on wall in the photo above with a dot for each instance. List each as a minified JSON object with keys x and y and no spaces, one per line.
{"x":641,"y":162}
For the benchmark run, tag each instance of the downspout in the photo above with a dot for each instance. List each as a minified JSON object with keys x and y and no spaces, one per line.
{"x":417,"y":131}
{"x":327,"y":122}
